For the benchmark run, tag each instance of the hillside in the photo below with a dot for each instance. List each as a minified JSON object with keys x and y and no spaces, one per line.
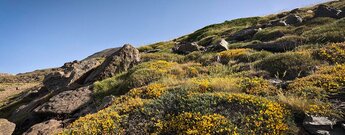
{"x":277,"y":74}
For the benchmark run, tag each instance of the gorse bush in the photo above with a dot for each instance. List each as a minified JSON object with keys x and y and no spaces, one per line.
{"x":287,"y":65}
{"x":333,"y":53}
{"x":326,"y":81}
{"x":235,"y":55}
{"x":258,"y":86}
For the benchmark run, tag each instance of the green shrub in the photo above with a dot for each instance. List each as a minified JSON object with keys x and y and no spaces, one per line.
{"x":333,"y":53}
{"x":287,"y":65}
{"x":273,"y":33}
{"x":171,"y":57}
{"x":319,"y":21}
{"x":162,"y":46}
{"x":201,"y":57}
{"x":219,"y":29}
{"x":333,"y":32}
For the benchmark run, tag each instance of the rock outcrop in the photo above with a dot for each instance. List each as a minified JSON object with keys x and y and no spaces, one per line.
{"x":221,"y":45}
{"x":293,"y":19}
{"x":49,"y":127}
{"x":118,"y":62}
{"x":66,"y":102}
{"x":322,"y":126}
{"x":326,"y":11}
{"x":185,"y":48}
{"x":70,"y":75}
{"x":245,"y":34}
{"x":6,"y":127}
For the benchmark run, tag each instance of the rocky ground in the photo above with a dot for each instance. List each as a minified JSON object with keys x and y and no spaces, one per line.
{"x":276,"y":74}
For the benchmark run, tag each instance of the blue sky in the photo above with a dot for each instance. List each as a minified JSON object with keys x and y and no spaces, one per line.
{"x":37,"y":34}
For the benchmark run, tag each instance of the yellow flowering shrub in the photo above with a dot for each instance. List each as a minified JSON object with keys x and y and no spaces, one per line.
{"x":234,"y":54}
{"x":104,"y":122}
{"x":195,"y":124}
{"x":333,"y":53}
{"x":326,"y":81}
{"x":213,"y":84}
{"x":258,"y":86}
{"x":153,"y":90}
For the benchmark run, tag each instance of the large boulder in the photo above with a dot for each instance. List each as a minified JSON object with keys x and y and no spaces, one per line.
{"x":276,"y":23}
{"x":66,"y":102}
{"x":185,"y":48}
{"x":118,"y":62}
{"x":49,"y":127}
{"x":244,"y":34}
{"x":70,"y":75}
{"x":341,"y":14}
{"x":318,"y":125}
{"x":293,"y":19}
{"x":221,"y":45}
{"x":6,"y":127}
{"x":326,"y":11}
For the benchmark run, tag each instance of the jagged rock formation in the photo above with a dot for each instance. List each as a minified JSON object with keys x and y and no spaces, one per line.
{"x":118,"y":62}
{"x":72,"y":73}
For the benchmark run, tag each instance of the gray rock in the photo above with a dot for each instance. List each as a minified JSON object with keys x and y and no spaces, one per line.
{"x":6,"y":127}
{"x":70,"y":75}
{"x":326,"y":11}
{"x":277,"y":23}
{"x":293,"y":19}
{"x":49,"y":127}
{"x":221,"y":45}
{"x":118,"y":62}
{"x":66,"y":102}
{"x":341,"y":14}
{"x":185,"y":48}
{"x":244,"y":34}
{"x":319,"y":125}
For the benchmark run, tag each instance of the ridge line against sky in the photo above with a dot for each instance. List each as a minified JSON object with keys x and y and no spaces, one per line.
{"x":40,"y":34}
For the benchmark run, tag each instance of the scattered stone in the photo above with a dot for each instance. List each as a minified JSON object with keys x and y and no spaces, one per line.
{"x":185,"y":48}
{"x":6,"y":127}
{"x":66,"y":102}
{"x":293,"y":19}
{"x":221,"y":45}
{"x":326,"y":11}
{"x":49,"y":127}
{"x":277,"y":23}
{"x":70,"y":74}
{"x":341,"y":14}
{"x":244,"y":34}
{"x":319,"y":125}
{"x":118,"y":62}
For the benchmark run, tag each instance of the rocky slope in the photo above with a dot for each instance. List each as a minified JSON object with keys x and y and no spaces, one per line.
{"x":276,"y":74}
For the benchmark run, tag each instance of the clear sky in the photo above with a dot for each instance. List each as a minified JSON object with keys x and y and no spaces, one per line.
{"x":37,"y":34}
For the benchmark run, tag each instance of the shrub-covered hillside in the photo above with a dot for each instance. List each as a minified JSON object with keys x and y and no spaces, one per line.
{"x":275,"y":74}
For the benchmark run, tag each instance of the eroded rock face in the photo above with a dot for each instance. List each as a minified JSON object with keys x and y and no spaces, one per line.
{"x":221,"y":45}
{"x":325,"y":11}
{"x":66,"y":102}
{"x":49,"y":127}
{"x":6,"y":127}
{"x":293,"y":19}
{"x":70,"y":74}
{"x":118,"y":62}
{"x":185,"y":48}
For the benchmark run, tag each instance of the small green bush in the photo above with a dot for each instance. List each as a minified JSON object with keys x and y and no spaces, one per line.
{"x":201,"y":57}
{"x":171,"y":57}
{"x":273,"y":33}
{"x":287,"y":65}
{"x":333,"y":32}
